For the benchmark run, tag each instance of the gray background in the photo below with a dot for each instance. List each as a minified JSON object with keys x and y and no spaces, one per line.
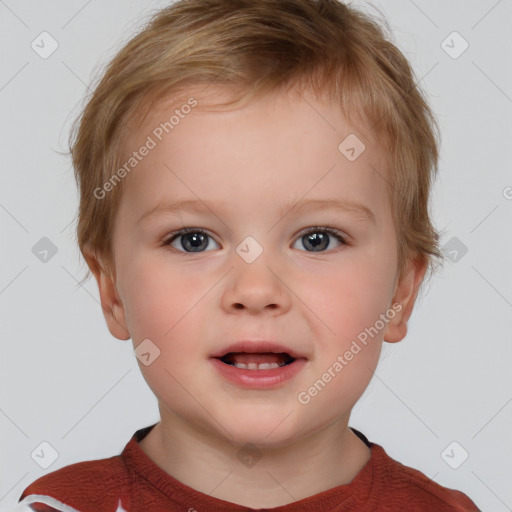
{"x":67,"y":382}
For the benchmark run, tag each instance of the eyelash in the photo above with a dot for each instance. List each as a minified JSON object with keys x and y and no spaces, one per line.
{"x":325,"y":229}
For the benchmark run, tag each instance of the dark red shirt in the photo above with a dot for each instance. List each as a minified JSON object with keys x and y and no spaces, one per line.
{"x":132,"y":482}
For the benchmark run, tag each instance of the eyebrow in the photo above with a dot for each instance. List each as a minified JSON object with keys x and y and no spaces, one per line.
{"x":358,"y":210}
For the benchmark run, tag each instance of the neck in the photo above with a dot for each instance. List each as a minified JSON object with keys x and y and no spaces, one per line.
{"x":256,"y":477}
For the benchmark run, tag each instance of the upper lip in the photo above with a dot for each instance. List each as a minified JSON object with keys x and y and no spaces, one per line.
{"x":257,"y":346}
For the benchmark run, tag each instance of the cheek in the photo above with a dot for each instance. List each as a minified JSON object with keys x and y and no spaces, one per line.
{"x":348,"y":332}
{"x":348,"y":302}
{"x":164,"y":306}
{"x":156,"y":297}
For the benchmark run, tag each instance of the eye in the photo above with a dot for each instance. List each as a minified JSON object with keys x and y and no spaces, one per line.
{"x":189,"y":240}
{"x":197,"y":240}
{"x":318,"y":238}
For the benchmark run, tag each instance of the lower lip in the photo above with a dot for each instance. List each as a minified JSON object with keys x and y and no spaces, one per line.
{"x":258,"y":379}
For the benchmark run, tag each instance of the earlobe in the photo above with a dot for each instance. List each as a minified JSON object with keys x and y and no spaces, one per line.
{"x":111,"y":304}
{"x":405,"y":295}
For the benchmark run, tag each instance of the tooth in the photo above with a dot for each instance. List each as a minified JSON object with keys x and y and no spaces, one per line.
{"x":255,"y":366}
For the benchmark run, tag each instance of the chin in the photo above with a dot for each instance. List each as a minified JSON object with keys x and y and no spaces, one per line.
{"x":272,"y":430}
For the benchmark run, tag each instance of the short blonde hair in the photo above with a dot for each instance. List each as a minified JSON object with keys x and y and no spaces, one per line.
{"x":256,"y":48}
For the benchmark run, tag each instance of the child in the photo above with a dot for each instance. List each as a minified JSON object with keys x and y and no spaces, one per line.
{"x":254,"y":183}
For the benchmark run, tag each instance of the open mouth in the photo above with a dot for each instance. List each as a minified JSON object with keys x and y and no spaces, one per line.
{"x":257,"y":361}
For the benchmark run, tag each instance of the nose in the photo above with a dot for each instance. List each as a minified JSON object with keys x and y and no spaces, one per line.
{"x":256,"y":288}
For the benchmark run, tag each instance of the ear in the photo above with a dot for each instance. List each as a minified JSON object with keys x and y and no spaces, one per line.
{"x":111,"y":305}
{"x":405,"y":294}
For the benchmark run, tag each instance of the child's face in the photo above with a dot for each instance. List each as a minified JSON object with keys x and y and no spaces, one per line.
{"x":248,"y":167}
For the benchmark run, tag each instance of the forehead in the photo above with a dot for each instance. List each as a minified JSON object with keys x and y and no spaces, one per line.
{"x":290,"y":145}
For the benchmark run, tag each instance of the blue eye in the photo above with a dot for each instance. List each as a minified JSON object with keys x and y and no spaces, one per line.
{"x":190,"y":239}
{"x":197,"y":240}
{"x":319,"y":237}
